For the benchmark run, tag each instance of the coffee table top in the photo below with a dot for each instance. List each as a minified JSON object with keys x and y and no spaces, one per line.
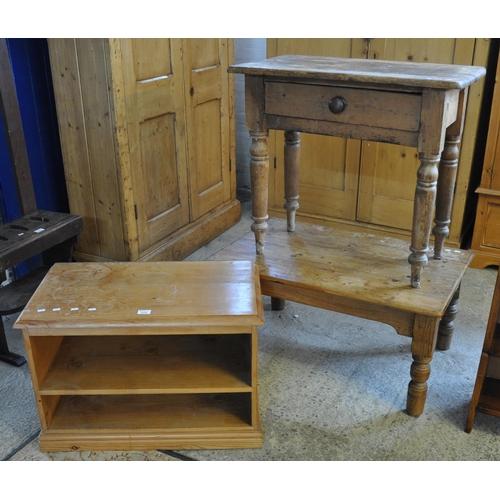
{"x":360,"y":267}
{"x":366,"y":71}
{"x":189,"y":293}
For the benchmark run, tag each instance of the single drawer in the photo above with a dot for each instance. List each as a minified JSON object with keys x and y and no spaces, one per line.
{"x":354,"y":106}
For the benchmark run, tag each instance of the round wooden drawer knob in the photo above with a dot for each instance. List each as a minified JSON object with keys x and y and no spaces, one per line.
{"x":337,"y":105}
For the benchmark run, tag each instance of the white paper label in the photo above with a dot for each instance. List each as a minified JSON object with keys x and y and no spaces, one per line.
{"x":144,"y":311}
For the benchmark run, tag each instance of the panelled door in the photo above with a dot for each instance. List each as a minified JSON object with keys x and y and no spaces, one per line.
{"x":388,"y":172}
{"x":207,"y":88}
{"x":153,"y":78}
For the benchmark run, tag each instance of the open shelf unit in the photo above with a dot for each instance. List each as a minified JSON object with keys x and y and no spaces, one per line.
{"x":165,"y":382}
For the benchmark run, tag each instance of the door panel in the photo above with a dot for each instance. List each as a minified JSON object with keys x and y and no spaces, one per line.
{"x":329,"y":165}
{"x":154,"y":95}
{"x":387,"y":199}
{"x":388,"y":172}
{"x":208,"y":123}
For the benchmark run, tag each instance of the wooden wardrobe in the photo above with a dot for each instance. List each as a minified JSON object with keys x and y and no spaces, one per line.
{"x":365,"y":185}
{"x":147,"y":134}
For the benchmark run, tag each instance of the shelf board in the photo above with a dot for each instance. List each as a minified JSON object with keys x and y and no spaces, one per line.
{"x":489,"y":401}
{"x":152,"y":412}
{"x":150,"y":364}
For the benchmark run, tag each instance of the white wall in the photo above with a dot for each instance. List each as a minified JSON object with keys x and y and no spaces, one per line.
{"x":245,"y":50}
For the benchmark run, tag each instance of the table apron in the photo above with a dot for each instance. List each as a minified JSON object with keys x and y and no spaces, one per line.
{"x":343,"y":130}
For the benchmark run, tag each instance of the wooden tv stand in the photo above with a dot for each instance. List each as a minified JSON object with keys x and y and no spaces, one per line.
{"x":138,"y":356}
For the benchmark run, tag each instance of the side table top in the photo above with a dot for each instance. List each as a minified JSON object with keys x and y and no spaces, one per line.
{"x":91,"y":294}
{"x":408,"y":74}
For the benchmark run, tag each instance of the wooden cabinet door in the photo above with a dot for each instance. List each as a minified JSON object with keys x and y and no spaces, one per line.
{"x":329,"y":165}
{"x":388,"y":172}
{"x":207,"y":98}
{"x":154,"y":117}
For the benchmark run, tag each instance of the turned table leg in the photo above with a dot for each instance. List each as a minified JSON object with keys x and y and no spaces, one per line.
{"x":445,"y":188}
{"x":259,"y":176}
{"x":447,"y":176}
{"x":446,"y":325}
{"x":422,"y":348}
{"x":292,"y":161}
{"x":425,"y":198}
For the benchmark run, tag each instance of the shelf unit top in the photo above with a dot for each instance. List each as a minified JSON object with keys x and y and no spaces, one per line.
{"x":116,"y":294}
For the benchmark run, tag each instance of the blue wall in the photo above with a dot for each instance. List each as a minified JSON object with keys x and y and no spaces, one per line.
{"x":31,"y":68}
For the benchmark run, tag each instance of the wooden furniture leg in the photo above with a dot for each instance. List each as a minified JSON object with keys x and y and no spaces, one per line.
{"x":422,"y":348}
{"x":476,"y":394}
{"x":446,"y":181}
{"x":292,"y":162}
{"x":277,"y":304}
{"x":445,"y":188}
{"x":259,"y":176}
{"x":7,"y":355}
{"x":425,"y":198}
{"x":446,"y":325}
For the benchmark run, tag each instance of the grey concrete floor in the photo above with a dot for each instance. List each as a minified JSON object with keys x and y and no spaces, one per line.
{"x":331,"y":388}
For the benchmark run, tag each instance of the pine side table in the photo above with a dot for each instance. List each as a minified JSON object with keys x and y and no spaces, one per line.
{"x":138,"y":356}
{"x":413,"y":104}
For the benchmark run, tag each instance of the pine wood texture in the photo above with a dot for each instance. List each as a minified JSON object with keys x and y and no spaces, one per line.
{"x":146,"y":355}
{"x":486,"y":394}
{"x":147,"y":135}
{"x":363,"y":183}
{"x":435,"y":76}
{"x":412,"y":104}
{"x":362,"y":275}
{"x":486,"y":237}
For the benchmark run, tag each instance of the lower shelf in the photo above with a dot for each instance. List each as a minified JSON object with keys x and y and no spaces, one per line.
{"x":159,"y":421}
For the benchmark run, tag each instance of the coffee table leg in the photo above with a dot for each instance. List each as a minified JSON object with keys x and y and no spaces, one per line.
{"x":425,"y":199}
{"x":446,"y":325}
{"x":422,"y":348}
{"x":292,"y":161}
{"x":259,"y":178}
